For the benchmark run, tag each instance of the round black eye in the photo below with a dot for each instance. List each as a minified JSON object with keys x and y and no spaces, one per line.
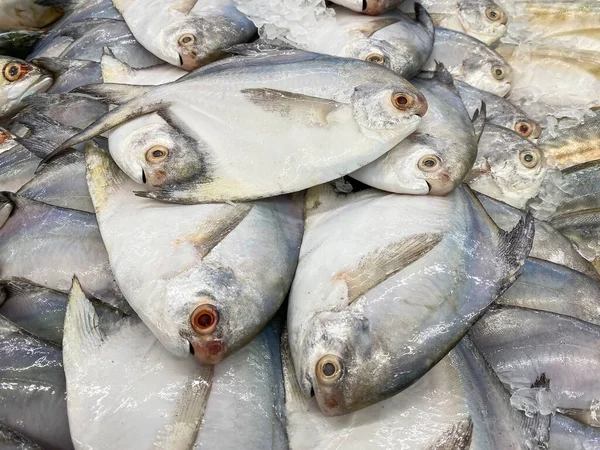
{"x":13,"y":71}
{"x":328,"y":369}
{"x":429,"y":163}
{"x":499,"y":72}
{"x":528,"y":158}
{"x":158,"y":153}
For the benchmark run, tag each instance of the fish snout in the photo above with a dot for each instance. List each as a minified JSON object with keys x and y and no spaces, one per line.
{"x":207,"y":348}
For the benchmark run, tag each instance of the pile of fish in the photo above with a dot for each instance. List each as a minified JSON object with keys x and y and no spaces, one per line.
{"x":292,"y":224}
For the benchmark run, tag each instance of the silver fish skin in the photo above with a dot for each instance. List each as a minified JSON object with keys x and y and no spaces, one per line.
{"x":548,"y":244}
{"x":496,"y":424}
{"x":499,"y":111}
{"x":17,"y":164}
{"x":177,"y":403}
{"x":213,"y":296}
{"x":52,"y":244}
{"x":583,"y":229}
{"x":27,"y":14}
{"x":11,"y":440}
{"x":183,"y":33}
{"x":484,"y":20}
{"x":522,"y":344}
{"x":69,"y":74}
{"x":437,"y":157}
{"x":18,"y":80}
{"x":471,"y":61}
{"x":509,"y":167}
{"x":551,"y":287}
{"x":569,"y":434}
{"x":353,"y":319}
{"x":578,"y":189}
{"x":188,"y":161}
{"x":68,"y":109}
{"x":39,"y":310}
{"x":32,"y":388}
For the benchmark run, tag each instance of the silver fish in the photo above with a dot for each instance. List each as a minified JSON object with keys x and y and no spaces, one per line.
{"x":550,"y":287}
{"x":179,"y":406}
{"x":32,"y":388}
{"x":439,"y":154}
{"x":301,"y":101}
{"x":19,"y":79}
{"x":583,"y":229}
{"x":68,"y":109}
{"x":52,"y":244}
{"x":522,"y":344}
{"x":411,"y":266}
{"x":567,"y":434}
{"x":186,"y":33}
{"x":499,"y":111}
{"x":70,"y":73}
{"x":471,"y":61}
{"x":17,"y":164}
{"x":201,"y":286}
{"x":509,"y":167}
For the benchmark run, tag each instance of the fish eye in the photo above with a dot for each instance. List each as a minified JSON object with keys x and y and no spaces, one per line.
{"x":429,"y":163}
{"x":498,"y":72}
{"x":376,"y":58}
{"x":157,"y":154}
{"x":493,"y":14}
{"x":329,"y":369}
{"x":13,"y":71}
{"x":186,"y":39}
{"x":524,"y":129}
{"x":402,"y":101}
{"x":529,"y":159}
{"x":204,"y":319}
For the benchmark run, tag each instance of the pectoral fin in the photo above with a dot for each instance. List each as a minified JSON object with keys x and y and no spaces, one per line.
{"x":82,"y":329}
{"x":299,"y":107}
{"x":382,"y":263}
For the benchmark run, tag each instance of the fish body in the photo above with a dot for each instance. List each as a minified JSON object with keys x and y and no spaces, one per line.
{"x":32,"y":388}
{"x":499,"y":111}
{"x":471,"y":61}
{"x":567,"y":433}
{"x":388,"y":286}
{"x":18,"y":80}
{"x":205,"y":261}
{"x":54,"y":243}
{"x":439,"y":154}
{"x":509,"y":167}
{"x":183,"y":33}
{"x":583,"y":229}
{"x":17,"y":164}
{"x":522,"y":344}
{"x":306,"y":101}
{"x":70,"y":73}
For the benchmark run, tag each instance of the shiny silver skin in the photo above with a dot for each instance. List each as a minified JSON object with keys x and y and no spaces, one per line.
{"x":32,"y":388}
{"x":579,"y":189}
{"x":54,"y":243}
{"x":70,"y":73}
{"x":445,"y":134}
{"x":569,"y":434}
{"x":184,"y":33}
{"x":551,"y":287}
{"x":17,"y":164}
{"x":509,"y":167}
{"x":499,"y":111}
{"x":378,"y":316}
{"x":68,"y":109}
{"x":548,"y":243}
{"x":583,"y":229}
{"x":471,"y":61}
{"x":522,"y":344}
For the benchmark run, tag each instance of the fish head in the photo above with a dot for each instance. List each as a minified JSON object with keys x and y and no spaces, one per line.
{"x":388,"y":111}
{"x":483,"y":19}
{"x":205,"y":313}
{"x":339,"y":364}
{"x":19,"y":79}
{"x":508,"y":167}
{"x":151,"y":151}
{"x":488,"y":74}
{"x":193,"y":41}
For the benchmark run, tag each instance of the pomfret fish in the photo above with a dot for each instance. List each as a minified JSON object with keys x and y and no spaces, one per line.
{"x":54,"y":243}
{"x":548,"y":243}
{"x":523,"y":345}
{"x":17,"y":164}
{"x":509,"y":167}
{"x":68,"y":109}
{"x":302,"y":102}
{"x":186,"y":33}
{"x":26,"y":14}
{"x":70,"y":73}
{"x":436,"y":158}
{"x":471,"y":61}
{"x":201,"y":286}
{"x":567,"y":434}
{"x":410,"y":266}
{"x":583,"y":229}
{"x":166,"y":402}
{"x":482,"y":19}
{"x":32,"y":388}
{"x":18,"y":80}
{"x":499,"y":111}
{"x":551,"y":287}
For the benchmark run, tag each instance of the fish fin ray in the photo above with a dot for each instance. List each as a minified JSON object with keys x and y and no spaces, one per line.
{"x":423,"y":17}
{"x":59,"y":66}
{"x":373,"y":26}
{"x":457,"y":437}
{"x":478,"y":120}
{"x":113,"y":93}
{"x":82,"y":328}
